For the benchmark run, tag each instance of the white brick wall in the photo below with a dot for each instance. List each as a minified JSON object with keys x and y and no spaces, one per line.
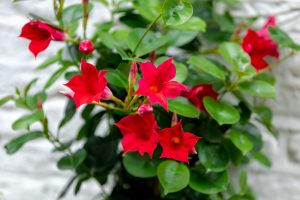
{"x":32,"y":173}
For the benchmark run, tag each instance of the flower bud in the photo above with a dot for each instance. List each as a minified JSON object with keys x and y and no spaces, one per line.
{"x":107,"y":94}
{"x":86,"y":47}
{"x":174,"y":119}
{"x":144,"y":108}
{"x":132,"y":73}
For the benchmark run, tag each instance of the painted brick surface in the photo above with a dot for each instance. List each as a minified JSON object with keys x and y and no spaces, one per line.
{"x":32,"y":173}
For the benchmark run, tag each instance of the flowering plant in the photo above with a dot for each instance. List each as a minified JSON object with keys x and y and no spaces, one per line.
{"x":179,"y":84}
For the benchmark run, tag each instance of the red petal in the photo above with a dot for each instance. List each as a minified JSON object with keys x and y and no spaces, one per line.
{"x":32,"y":31}
{"x":37,"y":46}
{"x":159,"y":98}
{"x":166,"y":70}
{"x":148,"y":70}
{"x":172,"y":89}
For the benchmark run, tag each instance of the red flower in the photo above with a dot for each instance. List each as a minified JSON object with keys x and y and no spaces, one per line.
{"x":197,"y":94}
{"x":156,"y":82}
{"x":86,"y":47}
{"x":177,"y":144}
{"x":259,"y":44}
{"x":40,"y":35}
{"x":89,"y":86}
{"x":139,"y":133}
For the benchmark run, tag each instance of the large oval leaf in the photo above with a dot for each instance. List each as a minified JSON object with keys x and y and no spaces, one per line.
{"x":72,"y":161}
{"x":258,"y":88}
{"x":202,"y":64}
{"x":213,"y":157}
{"x":183,"y":107}
{"x":176,"y":12}
{"x":117,"y":78}
{"x":208,"y":183}
{"x":15,"y":144}
{"x":222,"y":112}
{"x":173,"y":176}
{"x":139,"y":166}
{"x":241,"y":141}
{"x":193,"y":24}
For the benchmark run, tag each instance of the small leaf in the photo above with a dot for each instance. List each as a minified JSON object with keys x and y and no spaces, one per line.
{"x":213,"y":157}
{"x":72,"y":161}
{"x":29,"y":85}
{"x":25,"y":121}
{"x":262,"y":159}
{"x":173,"y":176}
{"x":6,"y":99}
{"x":265,"y":114}
{"x":243,"y":182}
{"x":117,"y":78}
{"x":14,"y":145}
{"x":69,"y":113}
{"x":241,"y":141}
{"x":282,"y":39}
{"x":55,"y":76}
{"x":139,"y":166}
{"x":49,"y":61}
{"x":193,"y":24}
{"x":202,"y":64}
{"x":176,"y":12}
{"x":258,"y":88}
{"x":222,"y":112}
{"x":183,"y":107}
{"x":208,"y":183}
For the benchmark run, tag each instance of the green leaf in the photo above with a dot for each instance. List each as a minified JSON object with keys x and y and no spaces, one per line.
{"x":258,"y":88}
{"x":72,"y":161}
{"x":173,"y":176}
{"x":213,"y":157}
{"x":49,"y":61}
{"x":139,"y":166}
{"x":148,"y":8}
{"x":73,"y":13}
{"x":208,"y":183}
{"x":222,"y":112}
{"x":202,"y":64}
{"x":265,"y":114}
{"x":243,"y":182}
{"x":149,"y":43}
{"x":69,"y":113}
{"x":183,"y":107}
{"x":176,"y":12}
{"x":117,"y":78}
{"x":25,"y":121}
{"x":15,"y":144}
{"x":29,"y":85}
{"x":262,"y":159}
{"x":55,"y":76}
{"x":6,"y":99}
{"x":282,"y":39}
{"x":179,"y":38}
{"x":193,"y":24}
{"x":241,"y":141}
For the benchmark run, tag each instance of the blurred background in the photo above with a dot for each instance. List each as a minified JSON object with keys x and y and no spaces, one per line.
{"x":32,"y":173}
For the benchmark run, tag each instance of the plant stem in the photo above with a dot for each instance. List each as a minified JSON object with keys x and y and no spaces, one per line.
{"x":117,"y":100}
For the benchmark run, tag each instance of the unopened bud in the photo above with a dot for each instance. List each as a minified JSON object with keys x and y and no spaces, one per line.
{"x":107,"y":94}
{"x":86,"y":47}
{"x":133,"y":72}
{"x":174,"y":119}
{"x":144,"y":108}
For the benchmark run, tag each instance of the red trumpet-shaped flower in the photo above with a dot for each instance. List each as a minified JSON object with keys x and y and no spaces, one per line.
{"x":89,"y":86}
{"x":259,"y":45}
{"x":139,"y":133}
{"x":157,"y":82}
{"x":177,"y":144}
{"x":40,"y":35}
{"x":197,"y":94}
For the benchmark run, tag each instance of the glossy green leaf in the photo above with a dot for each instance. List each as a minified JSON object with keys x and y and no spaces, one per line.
{"x":183,"y":107}
{"x":176,"y":12}
{"x":72,"y":161}
{"x":50,"y":61}
{"x":179,"y":38}
{"x":6,"y":99}
{"x":283,"y":39}
{"x":116,"y":78}
{"x":25,"y":121}
{"x":140,"y":166}
{"x":202,"y":64}
{"x":258,"y":88}
{"x":55,"y":76}
{"x":69,"y":113}
{"x":265,"y":114}
{"x":148,"y":44}
{"x":222,"y":112}
{"x":29,"y":85}
{"x":262,"y":159}
{"x":149,"y":9}
{"x":241,"y":141}
{"x":15,"y":144}
{"x":213,"y":157}
{"x":208,"y":183}
{"x":173,"y":176}
{"x":193,"y":24}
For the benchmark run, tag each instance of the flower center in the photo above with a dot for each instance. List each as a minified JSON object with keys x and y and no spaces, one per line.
{"x":175,"y":140}
{"x":154,"y":88}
